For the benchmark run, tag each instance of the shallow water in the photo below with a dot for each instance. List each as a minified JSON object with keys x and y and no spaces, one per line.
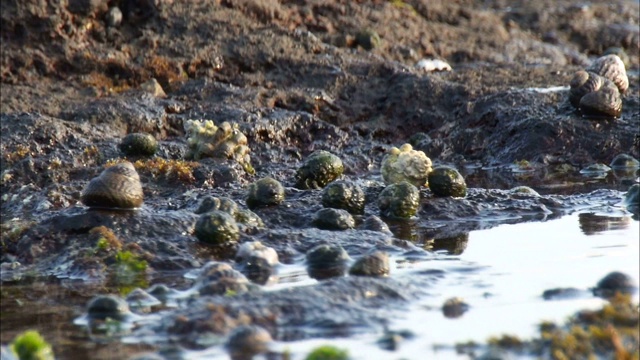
{"x":501,"y":274}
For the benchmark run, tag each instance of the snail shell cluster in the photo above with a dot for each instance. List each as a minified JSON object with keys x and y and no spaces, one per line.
{"x":596,"y":90}
{"x":117,"y":186}
{"x":611,"y":67}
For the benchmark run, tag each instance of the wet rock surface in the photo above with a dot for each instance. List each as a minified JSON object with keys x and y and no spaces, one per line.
{"x":296,"y":79}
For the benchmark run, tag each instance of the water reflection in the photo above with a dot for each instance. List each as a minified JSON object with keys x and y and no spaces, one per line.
{"x":591,"y":223}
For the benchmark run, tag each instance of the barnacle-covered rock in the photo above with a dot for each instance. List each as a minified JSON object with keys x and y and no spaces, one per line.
{"x":344,"y":195}
{"x":246,"y":341}
{"x":399,"y":200}
{"x":405,"y":164}
{"x":117,"y":187}
{"x":319,"y":169}
{"x":264,"y":192}
{"x":325,"y":261}
{"x":226,"y":141}
{"x":374,"y":264}
{"x":333,"y":219}
{"x":139,"y":144}
{"x":447,"y":181}
{"x":217,"y":227}
{"x":611,"y":67}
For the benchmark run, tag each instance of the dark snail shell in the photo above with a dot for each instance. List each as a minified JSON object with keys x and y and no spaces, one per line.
{"x":612,"y":68}
{"x":117,"y":186}
{"x":584,"y":82}
{"x":605,"y":102}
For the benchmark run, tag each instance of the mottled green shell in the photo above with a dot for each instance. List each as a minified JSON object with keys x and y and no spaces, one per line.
{"x":368,"y":39}
{"x":139,"y":144}
{"x":325,"y":261}
{"x":374,"y":264}
{"x":217,"y":227}
{"x":211,"y":203}
{"x":248,"y":218}
{"x":447,"y":181}
{"x":399,"y":200}
{"x":319,"y":169}
{"x":333,"y":219}
{"x":344,"y":195}
{"x":264,"y":192}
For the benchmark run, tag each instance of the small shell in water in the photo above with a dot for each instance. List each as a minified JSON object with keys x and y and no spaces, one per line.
{"x":117,"y":186}
{"x":612,"y":68}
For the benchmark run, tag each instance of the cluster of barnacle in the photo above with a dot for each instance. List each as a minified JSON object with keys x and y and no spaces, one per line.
{"x":205,"y":139}
{"x":596,"y":91}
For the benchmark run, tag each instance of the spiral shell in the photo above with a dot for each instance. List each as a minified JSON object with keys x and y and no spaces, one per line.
{"x":117,"y":186}
{"x":605,"y":102}
{"x":612,"y":68}
{"x":583,"y":82}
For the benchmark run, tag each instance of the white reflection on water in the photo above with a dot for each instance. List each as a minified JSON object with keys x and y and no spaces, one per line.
{"x":522,"y":261}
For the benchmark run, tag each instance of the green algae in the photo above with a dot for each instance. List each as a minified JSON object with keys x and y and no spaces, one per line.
{"x":611,"y":332}
{"x":30,"y":345}
{"x":328,"y":352}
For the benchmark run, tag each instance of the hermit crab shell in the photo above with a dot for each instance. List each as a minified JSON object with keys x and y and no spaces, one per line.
{"x":117,"y":186}
{"x":605,"y":102}
{"x":612,"y":68}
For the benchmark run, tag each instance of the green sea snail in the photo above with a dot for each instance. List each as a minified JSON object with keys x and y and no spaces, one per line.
{"x":318,"y":170}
